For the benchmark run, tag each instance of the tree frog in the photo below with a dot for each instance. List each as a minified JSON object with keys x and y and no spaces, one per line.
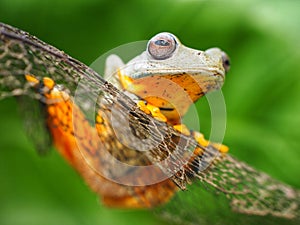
{"x":169,"y":77}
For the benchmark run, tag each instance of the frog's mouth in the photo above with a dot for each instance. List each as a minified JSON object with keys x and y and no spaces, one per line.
{"x":169,"y":71}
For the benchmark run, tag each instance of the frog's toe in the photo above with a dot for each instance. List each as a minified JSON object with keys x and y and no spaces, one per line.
{"x":200,"y":139}
{"x":222,"y":148}
{"x":182,"y":129}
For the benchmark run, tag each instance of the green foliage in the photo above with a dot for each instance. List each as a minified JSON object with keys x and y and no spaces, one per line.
{"x":261,"y":92}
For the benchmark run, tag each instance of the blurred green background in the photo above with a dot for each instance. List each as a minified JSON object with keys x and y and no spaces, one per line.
{"x":262,"y":93}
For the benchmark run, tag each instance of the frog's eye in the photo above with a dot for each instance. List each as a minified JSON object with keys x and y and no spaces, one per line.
{"x":226,"y":61}
{"x":162,"y":45}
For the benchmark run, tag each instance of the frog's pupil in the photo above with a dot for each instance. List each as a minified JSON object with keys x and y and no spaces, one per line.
{"x":162,"y":43}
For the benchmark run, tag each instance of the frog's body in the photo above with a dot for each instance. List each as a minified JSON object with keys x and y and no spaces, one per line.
{"x":167,"y":78}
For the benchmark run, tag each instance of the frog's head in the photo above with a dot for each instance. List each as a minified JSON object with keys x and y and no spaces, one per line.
{"x":166,"y":56}
{"x":168,"y":68}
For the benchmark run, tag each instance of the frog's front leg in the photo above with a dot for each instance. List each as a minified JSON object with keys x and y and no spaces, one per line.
{"x":199,"y":137}
{"x":182,"y":128}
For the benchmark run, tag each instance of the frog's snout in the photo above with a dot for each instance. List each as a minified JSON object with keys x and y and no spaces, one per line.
{"x":218,"y":55}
